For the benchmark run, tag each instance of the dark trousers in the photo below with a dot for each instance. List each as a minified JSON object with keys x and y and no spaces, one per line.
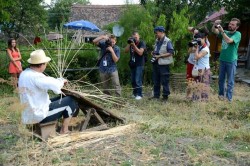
{"x":136,"y":80}
{"x":61,"y":107}
{"x":161,"y":76}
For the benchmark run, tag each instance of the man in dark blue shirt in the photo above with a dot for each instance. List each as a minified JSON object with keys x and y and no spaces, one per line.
{"x":136,"y":48}
{"x":110,"y":54}
{"x":163,"y":56}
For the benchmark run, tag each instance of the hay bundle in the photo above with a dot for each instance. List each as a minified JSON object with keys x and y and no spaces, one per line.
{"x":80,"y":139}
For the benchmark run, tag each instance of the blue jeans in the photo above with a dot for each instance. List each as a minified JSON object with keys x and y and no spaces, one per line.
{"x":227,"y":69}
{"x":136,"y":80}
{"x":161,"y":75}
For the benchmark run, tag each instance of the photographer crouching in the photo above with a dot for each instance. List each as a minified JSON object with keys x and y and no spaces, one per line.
{"x":110,"y":54}
{"x":162,"y":57}
{"x":136,"y":49}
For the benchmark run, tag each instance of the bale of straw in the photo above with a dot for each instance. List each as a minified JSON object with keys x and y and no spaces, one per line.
{"x":68,"y":140}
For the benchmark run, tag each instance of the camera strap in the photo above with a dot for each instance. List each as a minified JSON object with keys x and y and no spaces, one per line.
{"x":133,"y":51}
{"x":160,"y":44}
{"x":100,"y":59}
{"x":203,"y":46}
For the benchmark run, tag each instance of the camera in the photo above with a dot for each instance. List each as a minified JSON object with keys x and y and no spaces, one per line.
{"x":194,"y":43}
{"x":153,"y":59}
{"x":217,"y":26}
{"x":131,"y":40}
{"x":108,"y":43}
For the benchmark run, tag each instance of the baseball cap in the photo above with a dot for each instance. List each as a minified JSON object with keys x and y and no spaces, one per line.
{"x":159,"y":28}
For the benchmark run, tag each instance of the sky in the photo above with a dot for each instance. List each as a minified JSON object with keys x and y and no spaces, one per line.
{"x":107,"y":2}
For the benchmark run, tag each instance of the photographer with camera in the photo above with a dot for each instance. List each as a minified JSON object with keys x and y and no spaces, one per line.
{"x":162,"y":57}
{"x":195,"y":31}
{"x":136,"y":48}
{"x":110,"y":54}
{"x":201,"y":68}
{"x":228,"y":55}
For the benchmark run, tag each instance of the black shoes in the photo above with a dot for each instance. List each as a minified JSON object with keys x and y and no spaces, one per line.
{"x":164,"y":99}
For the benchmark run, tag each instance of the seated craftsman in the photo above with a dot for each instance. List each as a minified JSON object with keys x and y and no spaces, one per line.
{"x":34,"y":86}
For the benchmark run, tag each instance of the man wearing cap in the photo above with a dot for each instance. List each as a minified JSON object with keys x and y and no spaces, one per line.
{"x":162,"y":57}
{"x":34,"y":86}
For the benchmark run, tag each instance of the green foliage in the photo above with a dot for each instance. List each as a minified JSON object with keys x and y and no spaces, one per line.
{"x":24,"y":17}
{"x":178,"y":25}
{"x":123,"y":68}
{"x":139,"y":20}
{"x":239,"y":9}
{"x":85,"y":59}
{"x":4,"y":14}
{"x":178,"y":35}
{"x":110,"y":26}
{"x":224,"y":153}
{"x":161,"y":21}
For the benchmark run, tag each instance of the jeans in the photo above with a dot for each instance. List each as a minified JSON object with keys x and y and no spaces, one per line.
{"x":161,"y":75}
{"x":227,"y":69}
{"x":114,"y":78}
{"x":136,"y":80}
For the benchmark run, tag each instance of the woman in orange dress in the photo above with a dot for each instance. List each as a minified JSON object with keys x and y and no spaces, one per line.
{"x":15,"y":67}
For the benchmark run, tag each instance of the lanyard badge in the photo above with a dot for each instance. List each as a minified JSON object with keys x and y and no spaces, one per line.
{"x":105,"y":63}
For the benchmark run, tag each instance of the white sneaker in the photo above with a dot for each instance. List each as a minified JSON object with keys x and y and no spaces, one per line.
{"x":138,"y":98}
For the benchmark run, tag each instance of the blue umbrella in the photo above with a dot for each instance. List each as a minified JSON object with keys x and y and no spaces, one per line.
{"x":82,"y":24}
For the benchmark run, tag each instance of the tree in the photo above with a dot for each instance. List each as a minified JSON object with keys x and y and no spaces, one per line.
{"x":197,"y":9}
{"x":60,"y":11}
{"x":239,"y":9}
{"x":139,"y":20}
{"x":4,"y":14}
{"x":178,"y":34}
{"x":24,"y":15}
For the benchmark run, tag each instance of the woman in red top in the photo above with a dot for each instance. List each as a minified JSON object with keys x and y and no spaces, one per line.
{"x":15,"y":67}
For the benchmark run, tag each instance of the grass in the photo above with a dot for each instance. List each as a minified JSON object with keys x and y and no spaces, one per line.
{"x":173,"y":133}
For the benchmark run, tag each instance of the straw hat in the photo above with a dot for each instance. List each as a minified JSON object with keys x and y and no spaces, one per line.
{"x":38,"y":57}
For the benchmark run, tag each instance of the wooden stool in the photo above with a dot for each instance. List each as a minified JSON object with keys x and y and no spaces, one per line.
{"x":48,"y":129}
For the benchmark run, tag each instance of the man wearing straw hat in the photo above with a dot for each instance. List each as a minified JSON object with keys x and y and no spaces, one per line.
{"x":34,"y":86}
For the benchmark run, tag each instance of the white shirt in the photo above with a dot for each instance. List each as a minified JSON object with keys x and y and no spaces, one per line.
{"x":203,"y":62}
{"x":191,"y":58}
{"x":33,"y":88}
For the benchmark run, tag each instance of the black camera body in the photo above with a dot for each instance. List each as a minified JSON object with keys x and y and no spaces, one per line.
{"x":194,"y":43}
{"x":153,"y":59}
{"x":108,"y":43}
{"x":131,"y":40}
